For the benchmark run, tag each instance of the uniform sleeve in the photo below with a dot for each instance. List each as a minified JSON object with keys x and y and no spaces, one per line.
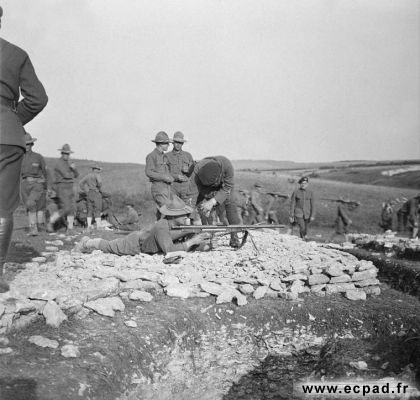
{"x":43,"y":168}
{"x":33,"y":93}
{"x":82,"y":184}
{"x":190,"y":162}
{"x":313,"y":207}
{"x":227,"y":183}
{"x":165,"y":242}
{"x":151,"y":171}
{"x":293,"y":204}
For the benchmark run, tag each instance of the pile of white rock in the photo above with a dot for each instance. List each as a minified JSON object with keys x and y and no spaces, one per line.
{"x":388,"y":243}
{"x":284,"y":267}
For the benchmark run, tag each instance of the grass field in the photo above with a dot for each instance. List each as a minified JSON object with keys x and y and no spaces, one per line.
{"x":128,"y":181}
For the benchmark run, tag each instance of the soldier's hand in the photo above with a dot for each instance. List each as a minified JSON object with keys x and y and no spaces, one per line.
{"x":312,"y":219}
{"x":169,"y":179}
{"x":73,"y":165}
{"x":182,"y":178}
{"x":208,"y":205}
{"x":291,"y":220}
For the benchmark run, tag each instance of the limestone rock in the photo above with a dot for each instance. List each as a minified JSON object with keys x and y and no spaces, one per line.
{"x":106,"y":306}
{"x":6,"y":350}
{"x":39,"y":259}
{"x":142,"y":274}
{"x":367,"y":282}
{"x":51,"y":248}
{"x":318,"y":279}
{"x":365,"y":265}
{"x":24,"y":306}
{"x":334,"y":270}
{"x":260,"y":292}
{"x":372,"y":290}
{"x":339,"y":287}
{"x":355,"y":295}
{"x":167,"y":280}
{"x":277,"y":285}
{"x":145,"y":286}
{"x":103,"y":288}
{"x":70,"y":351}
{"x":140,"y":296}
{"x":363,"y":275}
{"x":212,"y":288}
{"x":184,"y":291}
{"x":131,"y":324}
{"x":42,"y":341}
{"x":295,"y":277}
{"x":225,"y":296}
{"x":42,"y":294}
{"x":246,"y":288}
{"x":2,"y":308}
{"x":340,"y":279}
{"x":318,"y":288}
{"x":53,"y":314}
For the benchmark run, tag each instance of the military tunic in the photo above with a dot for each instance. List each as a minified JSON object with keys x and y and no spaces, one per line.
{"x":34,"y":182}
{"x":17,"y":77}
{"x":64,"y":186}
{"x":302,"y":209}
{"x":157,"y":170}
{"x":91,"y":184}
{"x":181,"y":166}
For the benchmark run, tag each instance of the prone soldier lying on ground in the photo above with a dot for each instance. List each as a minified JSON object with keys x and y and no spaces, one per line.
{"x":157,"y":239}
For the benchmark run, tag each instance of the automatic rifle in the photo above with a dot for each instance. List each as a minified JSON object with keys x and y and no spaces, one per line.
{"x":222,"y":230}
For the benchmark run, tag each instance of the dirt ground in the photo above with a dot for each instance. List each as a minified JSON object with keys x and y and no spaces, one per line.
{"x":196,"y":349}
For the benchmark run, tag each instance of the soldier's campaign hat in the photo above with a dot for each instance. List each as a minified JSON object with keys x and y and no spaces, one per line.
{"x":65,"y":149}
{"x":209,"y":174}
{"x":162,"y":137}
{"x":178,"y":137}
{"x":96,"y":166}
{"x":29,"y":139}
{"x":176,"y":207}
{"x":303,"y":179}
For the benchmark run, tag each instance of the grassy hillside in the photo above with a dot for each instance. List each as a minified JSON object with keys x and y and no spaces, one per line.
{"x":128,"y":181}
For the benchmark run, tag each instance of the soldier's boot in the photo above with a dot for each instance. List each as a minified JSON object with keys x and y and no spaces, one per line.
{"x":70,"y":222}
{"x":87,"y":244}
{"x":40,"y":220}
{"x":234,"y":241}
{"x":33,"y":229}
{"x":6,"y":229}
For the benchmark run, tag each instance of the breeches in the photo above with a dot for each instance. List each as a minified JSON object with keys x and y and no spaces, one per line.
{"x":10,"y":164}
{"x":341,"y":227}
{"x":94,"y":204}
{"x":33,"y":195}
{"x":127,"y":246}
{"x":302,"y":223}
{"x":161,"y":193}
{"x":65,"y":195}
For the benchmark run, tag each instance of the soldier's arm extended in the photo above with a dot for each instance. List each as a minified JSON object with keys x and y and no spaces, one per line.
{"x":34,"y":97}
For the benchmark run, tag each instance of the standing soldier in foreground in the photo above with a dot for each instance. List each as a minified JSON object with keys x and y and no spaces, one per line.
{"x":34,"y":186}
{"x":157,"y":170}
{"x":65,"y":176}
{"x":17,"y":77}
{"x":213,"y":177}
{"x":302,"y":207}
{"x":181,"y":165}
{"x":91,"y":184}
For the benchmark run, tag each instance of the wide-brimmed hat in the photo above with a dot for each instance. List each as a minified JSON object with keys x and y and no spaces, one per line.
{"x":29,"y":139}
{"x":178,"y":137}
{"x":162,"y":137}
{"x":303,"y":179}
{"x":66,"y":149}
{"x":176,"y":207}
{"x":96,"y":166}
{"x":209,"y":173}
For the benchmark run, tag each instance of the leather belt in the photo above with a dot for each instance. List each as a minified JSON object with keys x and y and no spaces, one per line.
{"x":12,"y":104}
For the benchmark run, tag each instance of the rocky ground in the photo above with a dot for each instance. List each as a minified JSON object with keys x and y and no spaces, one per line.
{"x":222,"y":324}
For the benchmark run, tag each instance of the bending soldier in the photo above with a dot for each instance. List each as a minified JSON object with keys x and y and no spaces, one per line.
{"x":408,"y":214}
{"x":131,"y":220}
{"x":257,"y":209}
{"x":91,"y":184}
{"x":65,"y":176}
{"x":302,"y":207}
{"x":387,"y":215}
{"x":34,"y":186}
{"x":17,"y":78}
{"x":343,"y":221}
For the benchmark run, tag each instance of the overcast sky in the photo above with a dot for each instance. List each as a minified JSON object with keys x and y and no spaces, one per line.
{"x":301,"y":80}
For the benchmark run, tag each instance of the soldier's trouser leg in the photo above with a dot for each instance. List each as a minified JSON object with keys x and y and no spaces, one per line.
{"x":233,"y":219}
{"x":33,"y":229}
{"x":10,"y":165}
{"x":301,"y":223}
{"x":129,"y":245}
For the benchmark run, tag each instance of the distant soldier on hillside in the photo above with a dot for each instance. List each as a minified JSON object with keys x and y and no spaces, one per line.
{"x":343,"y":221}
{"x":65,"y":176}
{"x":131,"y":219}
{"x":181,"y":166}
{"x":387,"y":215}
{"x":302,"y":207}
{"x":91,"y":184}
{"x":256,"y":211}
{"x":34,"y":186}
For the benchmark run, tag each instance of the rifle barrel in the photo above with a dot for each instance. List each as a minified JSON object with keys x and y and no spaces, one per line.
{"x":221,"y":228}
